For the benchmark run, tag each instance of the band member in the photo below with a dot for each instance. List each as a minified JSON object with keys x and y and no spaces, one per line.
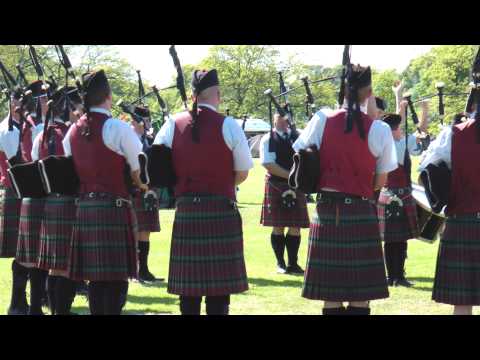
{"x":457,"y":273}
{"x":103,"y":246}
{"x":397,"y":210}
{"x":31,"y":212}
{"x":60,"y":210}
{"x":147,"y":214}
{"x":10,"y":207}
{"x":278,"y":210}
{"x":345,"y":259}
{"x":210,"y":157}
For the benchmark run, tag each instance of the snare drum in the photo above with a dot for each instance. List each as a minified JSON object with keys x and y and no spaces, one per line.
{"x":429,"y":223}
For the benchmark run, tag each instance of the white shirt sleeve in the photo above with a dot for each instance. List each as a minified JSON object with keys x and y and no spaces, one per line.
{"x":9,"y":142}
{"x":67,"y":149}
{"x":165,"y":135}
{"x":119,"y":137}
{"x":414,"y":148}
{"x":382,"y":146}
{"x":313,"y":133}
{"x":36,"y":148}
{"x":236,"y":141}
{"x":439,"y":150}
{"x":266,"y":157}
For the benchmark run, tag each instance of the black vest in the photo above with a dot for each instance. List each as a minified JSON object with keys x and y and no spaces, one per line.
{"x":283,"y":150}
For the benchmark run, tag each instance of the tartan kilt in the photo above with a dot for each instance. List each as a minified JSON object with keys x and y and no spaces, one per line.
{"x":275,"y":214}
{"x":31,"y":216}
{"x":103,"y":246}
{"x":457,"y":275}
{"x":147,"y":221}
{"x":206,"y":257}
{"x":9,"y":222}
{"x":403,"y":227}
{"x":56,"y":232}
{"x":345,"y":262}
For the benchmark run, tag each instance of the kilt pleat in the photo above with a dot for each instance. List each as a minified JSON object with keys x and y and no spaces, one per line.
{"x":31,"y":215}
{"x":9,"y":222}
{"x":398,"y":228}
{"x":56,"y":232}
{"x":457,"y":275}
{"x":103,"y":246}
{"x":345,"y":262}
{"x":147,"y":221}
{"x":275,"y":214}
{"x":206,"y":257}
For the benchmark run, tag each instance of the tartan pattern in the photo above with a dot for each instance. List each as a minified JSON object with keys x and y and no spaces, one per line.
{"x":9,"y":222}
{"x":103,"y":246}
{"x":275,"y":215}
{"x":457,"y":275}
{"x":345,"y":262}
{"x":402,"y":228}
{"x":148,"y":221}
{"x":56,"y":232}
{"x":206,"y":257}
{"x":31,"y":215}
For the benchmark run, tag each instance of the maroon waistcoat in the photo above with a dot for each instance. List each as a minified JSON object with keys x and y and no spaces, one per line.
{"x":346,"y":163}
{"x":206,"y":167}
{"x":465,"y":190}
{"x":397,"y":178}
{"x":4,"y":178}
{"x":99,"y":168}
{"x":58,"y":132}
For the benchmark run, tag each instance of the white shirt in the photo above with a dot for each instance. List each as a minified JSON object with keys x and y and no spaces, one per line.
{"x":9,"y":139}
{"x":439,"y":150}
{"x":267,"y":157}
{"x":414,"y":148}
{"x":380,"y":141}
{"x":118,"y":136}
{"x":232,"y":134}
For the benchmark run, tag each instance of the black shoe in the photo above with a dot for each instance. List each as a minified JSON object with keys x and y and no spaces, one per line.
{"x":403,"y":282}
{"x":147,"y":276}
{"x":20,"y":310}
{"x":295,"y":269}
{"x":390,"y":282}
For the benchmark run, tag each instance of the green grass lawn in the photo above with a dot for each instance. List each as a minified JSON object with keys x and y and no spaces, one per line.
{"x":269,"y":292}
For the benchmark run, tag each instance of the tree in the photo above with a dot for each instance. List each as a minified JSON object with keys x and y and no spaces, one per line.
{"x":450,"y":64}
{"x":382,"y":87}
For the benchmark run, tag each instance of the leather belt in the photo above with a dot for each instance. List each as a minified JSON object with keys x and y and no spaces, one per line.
{"x":333,"y":197}
{"x":118,"y":201}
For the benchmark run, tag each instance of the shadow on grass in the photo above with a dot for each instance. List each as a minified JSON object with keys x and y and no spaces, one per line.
{"x":280,"y":282}
{"x":152,"y":300}
{"x":82,"y":310}
{"x":422,"y":280}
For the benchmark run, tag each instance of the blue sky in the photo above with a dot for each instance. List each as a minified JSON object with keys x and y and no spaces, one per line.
{"x":156,"y":65}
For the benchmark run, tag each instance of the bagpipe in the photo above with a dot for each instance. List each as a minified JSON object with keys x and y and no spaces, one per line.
{"x":151,"y":127}
{"x":156,"y":162}
{"x":54,"y":174}
{"x":305,"y":171}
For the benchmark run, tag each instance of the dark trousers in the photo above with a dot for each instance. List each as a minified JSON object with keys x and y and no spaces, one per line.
{"x":215,"y":305}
